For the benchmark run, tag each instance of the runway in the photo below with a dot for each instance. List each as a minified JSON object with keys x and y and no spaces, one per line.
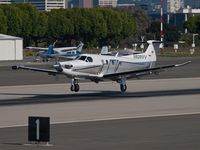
{"x":99,"y":101}
{"x":153,"y":114}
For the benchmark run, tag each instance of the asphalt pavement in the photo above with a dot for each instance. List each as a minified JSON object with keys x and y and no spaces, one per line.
{"x":154,"y":133}
{"x":144,"y":98}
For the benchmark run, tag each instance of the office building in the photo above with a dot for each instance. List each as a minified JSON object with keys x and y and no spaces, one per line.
{"x":80,"y":3}
{"x":107,"y":3}
{"x":66,"y":3}
{"x":5,"y":1}
{"x":192,"y":3}
{"x":87,"y":3}
{"x":173,"y":6}
{"x":45,"y":5}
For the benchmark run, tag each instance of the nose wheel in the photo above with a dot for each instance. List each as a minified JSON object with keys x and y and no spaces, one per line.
{"x":74,"y":85}
{"x":123,"y":86}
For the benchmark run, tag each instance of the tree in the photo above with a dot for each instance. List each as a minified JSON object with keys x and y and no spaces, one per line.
{"x":193,"y":24}
{"x":40,"y":27}
{"x":171,"y":33}
{"x":3,"y":22}
{"x":153,"y":32}
{"x":94,"y":27}
{"x":14,"y":19}
{"x":141,"y":23}
{"x":28,"y":15}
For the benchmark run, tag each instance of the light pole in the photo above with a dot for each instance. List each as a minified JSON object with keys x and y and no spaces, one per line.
{"x":193,"y":42}
{"x":161,"y":28}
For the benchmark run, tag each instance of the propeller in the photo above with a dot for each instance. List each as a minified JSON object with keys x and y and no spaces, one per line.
{"x":58,"y":67}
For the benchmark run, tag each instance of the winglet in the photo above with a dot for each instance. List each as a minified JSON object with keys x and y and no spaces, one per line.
{"x":182,"y":64}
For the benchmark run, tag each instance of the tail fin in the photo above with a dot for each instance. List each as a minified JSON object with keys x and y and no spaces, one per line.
{"x":152,"y":49}
{"x":104,"y":50}
{"x":50,"y":50}
{"x":55,"y":43}
{"x":79,"y":47}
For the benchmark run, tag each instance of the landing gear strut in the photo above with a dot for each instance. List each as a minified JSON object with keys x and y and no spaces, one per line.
{"x":123,"y":86}
{"x":74,"y":85}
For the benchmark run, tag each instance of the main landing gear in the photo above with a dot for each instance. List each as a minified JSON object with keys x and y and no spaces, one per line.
{"x":74,"y":85}
{"x":123,"y":86}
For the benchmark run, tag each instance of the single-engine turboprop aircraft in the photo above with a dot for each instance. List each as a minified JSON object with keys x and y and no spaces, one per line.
{"x":98,"y":68}
{"x":51,"y":51}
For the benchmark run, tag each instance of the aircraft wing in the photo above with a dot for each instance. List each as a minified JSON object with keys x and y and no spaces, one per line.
{"x":137,"y":73}
{"x":50,"y":72}
{"x":64,"y":48}
{"x":55,"y":49}
{"x":38,"y":48}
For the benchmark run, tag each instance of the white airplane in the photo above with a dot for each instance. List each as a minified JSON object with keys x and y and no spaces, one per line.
{"x":97,"y":67}
{"x":51,"y":51}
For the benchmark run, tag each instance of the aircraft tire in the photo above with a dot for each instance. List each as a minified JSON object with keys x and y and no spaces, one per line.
{"x":72,"y":88}
{"x":76,"y":87}
{"x":123,"y":87}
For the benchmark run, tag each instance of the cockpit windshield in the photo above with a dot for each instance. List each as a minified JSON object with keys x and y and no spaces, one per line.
{"x":84,"y":58}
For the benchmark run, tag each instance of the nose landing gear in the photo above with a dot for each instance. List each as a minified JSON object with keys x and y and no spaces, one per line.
{"x":74,"y":85}
{"x":123,"y":86}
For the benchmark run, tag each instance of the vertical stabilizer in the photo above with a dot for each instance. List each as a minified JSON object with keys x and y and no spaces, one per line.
{"x":79,"y":47}
{"x":50,"y":50}
{"x":104,"y":50}
{"x":152,"y":49}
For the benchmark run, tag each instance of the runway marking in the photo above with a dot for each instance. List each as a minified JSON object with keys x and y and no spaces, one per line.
{"x":108,"y":119}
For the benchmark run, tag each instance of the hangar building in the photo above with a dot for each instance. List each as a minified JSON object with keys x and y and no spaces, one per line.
{"x":11,"y":47}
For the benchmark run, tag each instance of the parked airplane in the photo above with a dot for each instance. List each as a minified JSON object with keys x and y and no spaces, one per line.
{"x":98,"y":68}
{"x":125,"y":51}
{"x":51,"y":52}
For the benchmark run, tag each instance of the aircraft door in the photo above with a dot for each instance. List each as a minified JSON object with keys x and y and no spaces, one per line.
{"x":109,"y":66}
{"x":113,"y":66}
{"x":105,"y":64}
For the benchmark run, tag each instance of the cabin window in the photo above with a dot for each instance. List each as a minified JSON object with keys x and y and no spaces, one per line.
{"x":82,"y":58}
{"x":85,"y":58}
